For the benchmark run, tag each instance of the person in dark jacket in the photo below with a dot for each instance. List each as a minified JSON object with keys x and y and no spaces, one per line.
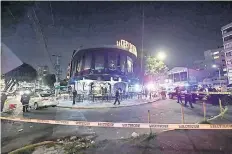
{"x":178,"y":93}
{"x":25,"y":98}
{"x":3,"y":100}
{"x":188,"y":98}
{"x":117,"y":97}
{"x":74,"y":96}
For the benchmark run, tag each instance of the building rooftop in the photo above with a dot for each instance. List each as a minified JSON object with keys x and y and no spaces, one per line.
{"x":227,"y":26}
{"x":98,"y":47}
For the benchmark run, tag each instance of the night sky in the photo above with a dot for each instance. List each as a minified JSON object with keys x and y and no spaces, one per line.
{"x":184,"y":30}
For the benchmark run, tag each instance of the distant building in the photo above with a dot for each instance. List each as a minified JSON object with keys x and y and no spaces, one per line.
{"x":227,"y":43}
{"x":43,"y":70}
{"x":213,"y":57}
{"x":183,"y":76}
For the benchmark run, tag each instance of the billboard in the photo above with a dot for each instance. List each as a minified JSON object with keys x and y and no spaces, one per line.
{"x":9,"y":60}
{"x":128,"y":46}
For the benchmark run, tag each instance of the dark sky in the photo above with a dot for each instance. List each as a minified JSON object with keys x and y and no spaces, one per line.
{"x":183,"y":29}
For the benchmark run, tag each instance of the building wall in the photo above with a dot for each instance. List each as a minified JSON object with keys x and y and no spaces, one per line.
{"x":43,"y":70}
{"x":104,"y":63}
{"x":187,"y":75}
{"x":227,"y":43}
{"x":212,"y":56}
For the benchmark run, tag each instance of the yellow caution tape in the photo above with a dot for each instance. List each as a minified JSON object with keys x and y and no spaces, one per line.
{"x":123,"y":125}
{"x":224,"y":93}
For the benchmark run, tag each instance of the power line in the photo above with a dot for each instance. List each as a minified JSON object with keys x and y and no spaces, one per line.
{"x":53,"y":22}
{"x":8,"y":9}
{"x":43,"y":37}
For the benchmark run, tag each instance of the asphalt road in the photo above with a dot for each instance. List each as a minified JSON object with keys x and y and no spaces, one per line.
{"x":18,"y":134}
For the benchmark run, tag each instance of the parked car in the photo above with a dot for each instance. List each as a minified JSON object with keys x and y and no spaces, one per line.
{"x":41,"y":100}
{"x":183,"y":89}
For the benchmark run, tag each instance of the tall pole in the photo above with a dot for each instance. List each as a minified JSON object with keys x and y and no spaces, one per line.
{"x":142,"y":39}
{"x":58,"y":72}
{"x":57,"y":67}
{"x":219,"y":73}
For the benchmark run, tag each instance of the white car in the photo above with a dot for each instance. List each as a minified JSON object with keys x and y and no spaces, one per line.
{"x":40,"y":100}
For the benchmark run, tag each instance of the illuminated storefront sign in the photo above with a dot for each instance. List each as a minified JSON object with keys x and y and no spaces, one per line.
{"x":128,"y":46}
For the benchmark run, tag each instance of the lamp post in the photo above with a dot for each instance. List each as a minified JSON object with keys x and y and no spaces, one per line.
{"x":161,"y":55}
{"x":219,"y":73}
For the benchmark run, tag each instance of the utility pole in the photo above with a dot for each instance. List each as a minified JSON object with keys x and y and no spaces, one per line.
{"x":142,"y":38}
{"x":58,"y":73}
{"x":57,"y":67}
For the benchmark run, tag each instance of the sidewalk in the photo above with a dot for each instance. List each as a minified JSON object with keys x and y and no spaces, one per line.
{"x":104,"y":104}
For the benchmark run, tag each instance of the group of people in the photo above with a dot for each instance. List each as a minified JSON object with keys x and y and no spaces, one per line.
{"x":25,"y":98}
{"x":189,"y":97}
{"x":117,"y":96}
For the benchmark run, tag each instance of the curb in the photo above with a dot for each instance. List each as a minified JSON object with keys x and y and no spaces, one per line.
{"x":209,"y":119}
{"x":103,"y":107}
{"x":217,"y":116}
{"x":30,"y":146}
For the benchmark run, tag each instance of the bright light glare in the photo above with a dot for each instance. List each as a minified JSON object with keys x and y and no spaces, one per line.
{"x":150,"y":86}
{"x":21,"y":92}
{"x":214,"y":66}
{"x":24,"y":92}
{"x":161,"y":56}
{"x":137,"y":88}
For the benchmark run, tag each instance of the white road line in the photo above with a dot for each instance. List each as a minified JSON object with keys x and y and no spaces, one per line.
{"x":90,"y":129}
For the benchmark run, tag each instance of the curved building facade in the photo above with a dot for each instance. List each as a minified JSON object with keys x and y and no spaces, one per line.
{"x":108,"y":67}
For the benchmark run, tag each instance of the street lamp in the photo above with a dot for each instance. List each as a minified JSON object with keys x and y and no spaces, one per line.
{"x":161,"y":55}
{"x":219,"y":73}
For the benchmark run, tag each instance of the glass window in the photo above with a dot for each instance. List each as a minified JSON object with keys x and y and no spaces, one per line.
{"x":99,"y":62}
{"x":81,"y":64}
{"x":112,"y":61}
{"x":229,"y":62}
{"x":170,"y":76}
{"x":88,"y":59}
{"x":227,"y":38}
{"x":183,"y":76}
{"x":227,"y":30}
{"x":176,"y":77}
{"x":230,"y":74}
{"x":129,"y":64}
{"x":230,"y":70}
{"x":228,"y":45}
{"x":228,"y":54}
{"x":78,"y":66}
{"x":123,"y":63}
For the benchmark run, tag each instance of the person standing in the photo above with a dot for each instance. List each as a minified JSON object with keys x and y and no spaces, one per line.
{"x":74,"y":96}
{"x":25,"y":98}
{"x":3,"y":100}
{"x":188,"y":98}
{"x":179,"y":99}
{"x":117,"y":97}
